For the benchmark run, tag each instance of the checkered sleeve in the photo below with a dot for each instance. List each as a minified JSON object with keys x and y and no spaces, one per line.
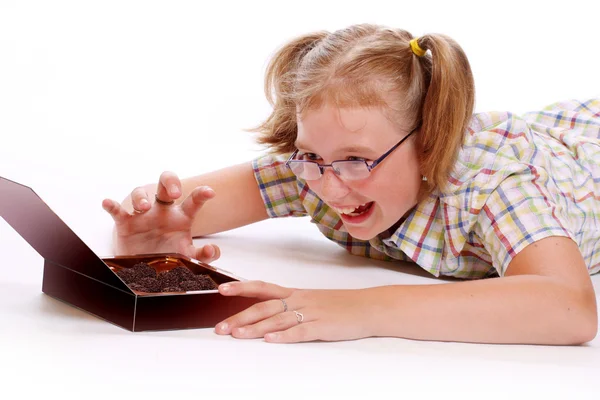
{"x":518,"y":212}
{"x":278,"y":186}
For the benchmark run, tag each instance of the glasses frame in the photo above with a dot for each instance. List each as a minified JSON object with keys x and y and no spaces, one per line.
{"x":322,"y":167}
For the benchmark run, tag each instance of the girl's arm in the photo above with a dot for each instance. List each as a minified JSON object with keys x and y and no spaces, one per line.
{"x":237,"y":202}
{"x":546,"y":297}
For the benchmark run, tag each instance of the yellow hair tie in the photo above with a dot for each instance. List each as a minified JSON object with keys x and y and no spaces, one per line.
{"x":414,"y":46}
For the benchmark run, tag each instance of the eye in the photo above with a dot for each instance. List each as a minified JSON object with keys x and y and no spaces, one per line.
{"x":355,"y":158}
{"x":308,"y":157}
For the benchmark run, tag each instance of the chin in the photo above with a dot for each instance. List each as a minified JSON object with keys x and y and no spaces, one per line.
{"x":362,"y":234}
{"x":368,"y":230}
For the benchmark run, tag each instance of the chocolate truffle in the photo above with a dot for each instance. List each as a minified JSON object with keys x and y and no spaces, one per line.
{"x":127,"y":274}
{"x":167,"y":279}
{"x":190,"y":285}
{"x":182,"y":273}
{"x":143,"y":270}
{"x":205,"y":282}
{"x":151,"y":284}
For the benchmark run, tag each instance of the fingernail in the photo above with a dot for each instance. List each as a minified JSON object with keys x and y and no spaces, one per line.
{"x":174,"y":190}
{"x":241,"y":331}
{"x":225,"y":287}
{"x":208,"y":190}
{"x":224,"y":327}
{"x":143,"y":202}
{"x":211,"y":251}
{"x":271,"y":336}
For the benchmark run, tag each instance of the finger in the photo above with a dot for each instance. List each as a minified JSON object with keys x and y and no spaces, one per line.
{"x":139,"y":200}
{"x":194,"y":202}
{"x":258,"y":289}
{"x":251,"y":315}
{"x":304,"y":332}
{"x":115,"y":210}
{"x":169,"y":186}
{"x":276,"y":323}
{"x":208,"y":253}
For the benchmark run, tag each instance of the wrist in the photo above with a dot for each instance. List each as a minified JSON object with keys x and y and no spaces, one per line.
{"x":378,"y":309}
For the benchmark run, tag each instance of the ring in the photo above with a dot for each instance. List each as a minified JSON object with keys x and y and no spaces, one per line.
{"x":299,"y":316}
{"x":284,"y":305}
{"x":164,"y":203}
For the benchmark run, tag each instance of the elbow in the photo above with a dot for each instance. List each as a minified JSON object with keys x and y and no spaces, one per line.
{"x":589,"y":327}
{"x":584,"y":332}
{"x":590,"y":333}
{"x":583,"y":319}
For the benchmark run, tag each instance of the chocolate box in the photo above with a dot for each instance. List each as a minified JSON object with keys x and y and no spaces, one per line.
{"x":74,"y":274}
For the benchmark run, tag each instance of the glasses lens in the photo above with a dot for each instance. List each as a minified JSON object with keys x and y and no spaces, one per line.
{"x":305,"y":169}
{"x":351,"y":170}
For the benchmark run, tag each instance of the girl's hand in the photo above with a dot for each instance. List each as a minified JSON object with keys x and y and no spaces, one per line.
{"x":154,"y":227}
{"x":311,"y":314}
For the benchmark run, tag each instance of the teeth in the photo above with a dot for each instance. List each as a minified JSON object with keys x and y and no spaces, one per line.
{"x":348,"y":210}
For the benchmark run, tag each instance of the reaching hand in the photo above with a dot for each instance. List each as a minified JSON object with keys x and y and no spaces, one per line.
{"x":298,"y":315}
{"x":158,"y":225}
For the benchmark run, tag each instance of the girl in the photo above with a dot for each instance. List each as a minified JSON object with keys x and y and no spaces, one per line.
{"x":374,"y":137}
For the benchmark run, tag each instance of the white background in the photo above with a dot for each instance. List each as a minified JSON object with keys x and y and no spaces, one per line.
{"x":99,"y":97}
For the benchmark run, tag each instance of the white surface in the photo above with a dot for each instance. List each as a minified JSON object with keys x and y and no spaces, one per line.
{"x":99,"y":97}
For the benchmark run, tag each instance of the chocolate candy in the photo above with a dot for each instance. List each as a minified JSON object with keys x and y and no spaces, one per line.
{"x":143,"y":278}
{"x":143,"y":270}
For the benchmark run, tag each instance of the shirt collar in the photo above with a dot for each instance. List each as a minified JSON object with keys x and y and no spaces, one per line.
{"x":421,"y":235}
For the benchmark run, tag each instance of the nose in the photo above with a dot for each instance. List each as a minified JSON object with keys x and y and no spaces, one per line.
{"x":332,"y":187}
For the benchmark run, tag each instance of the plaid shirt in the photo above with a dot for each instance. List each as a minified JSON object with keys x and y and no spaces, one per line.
{"x":517,"y":179}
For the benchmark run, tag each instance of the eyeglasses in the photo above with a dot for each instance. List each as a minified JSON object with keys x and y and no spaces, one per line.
{"x":350,"y":170}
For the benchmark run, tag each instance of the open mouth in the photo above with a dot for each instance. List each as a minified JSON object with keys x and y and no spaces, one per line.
{"x":356,"y":211}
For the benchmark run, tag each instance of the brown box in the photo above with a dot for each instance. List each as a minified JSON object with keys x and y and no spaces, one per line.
{"x":73,"y":273}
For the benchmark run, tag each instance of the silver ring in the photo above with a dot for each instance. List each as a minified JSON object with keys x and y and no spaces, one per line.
{"x":299,"y":316}
{"x":284,"y":305}
{"x":164,"y":203}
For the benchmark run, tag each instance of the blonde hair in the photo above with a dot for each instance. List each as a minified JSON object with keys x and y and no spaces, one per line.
{"x":374,"y":66}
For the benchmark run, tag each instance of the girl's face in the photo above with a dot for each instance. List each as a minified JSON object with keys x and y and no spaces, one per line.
{"x":372,"y":205}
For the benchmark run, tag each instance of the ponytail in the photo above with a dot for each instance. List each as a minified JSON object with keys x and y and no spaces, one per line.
{"x":279,"y":130}
{"x":447,"y":108}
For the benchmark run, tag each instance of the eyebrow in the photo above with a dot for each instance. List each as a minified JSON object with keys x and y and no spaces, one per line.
{"x":348,"y":149}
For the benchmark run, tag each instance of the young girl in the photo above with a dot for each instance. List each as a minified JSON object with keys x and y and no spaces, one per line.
{"x":374,"y":137}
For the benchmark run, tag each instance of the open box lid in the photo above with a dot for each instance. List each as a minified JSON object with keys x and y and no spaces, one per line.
{"x":31,"y":217}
